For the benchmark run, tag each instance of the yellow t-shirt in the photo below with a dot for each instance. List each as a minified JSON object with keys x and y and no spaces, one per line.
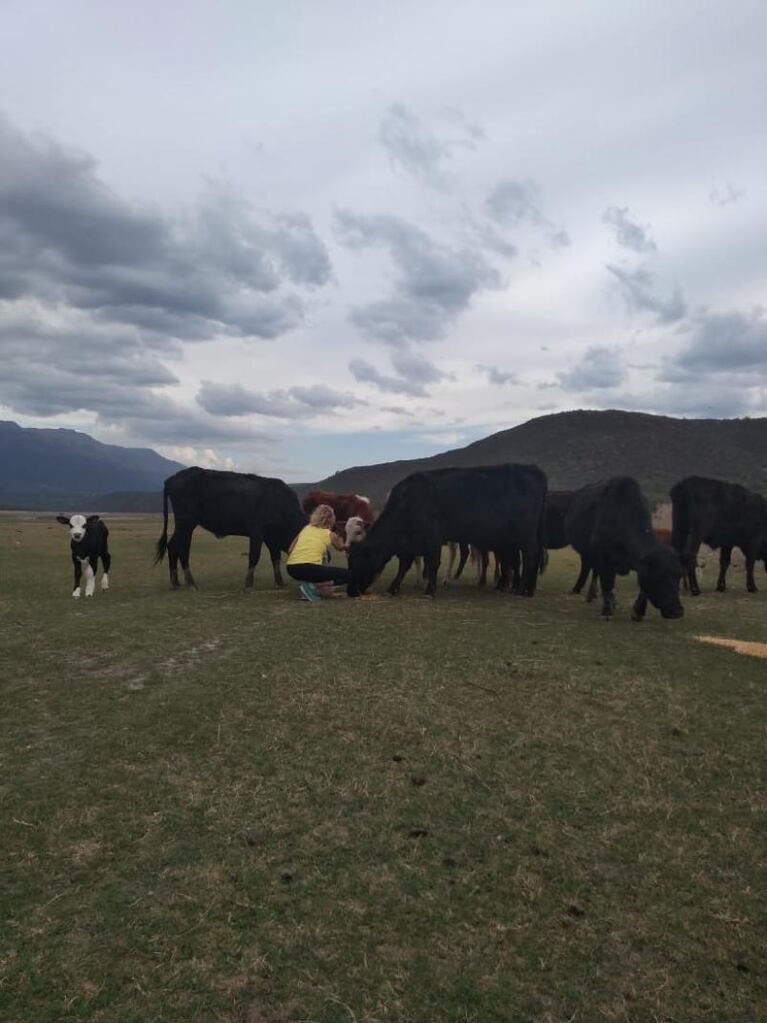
{"x":310,"y":546}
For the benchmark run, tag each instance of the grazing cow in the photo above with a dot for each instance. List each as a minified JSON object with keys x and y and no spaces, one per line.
{"x":88,"y":543}
{"x":722,"y":515}
{"x":609,"y":525}
{"x":496,"y":507}
{"x":228,"y":504}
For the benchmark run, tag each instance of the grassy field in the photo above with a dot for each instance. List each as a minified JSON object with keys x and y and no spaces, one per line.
{"x":239,"y":807}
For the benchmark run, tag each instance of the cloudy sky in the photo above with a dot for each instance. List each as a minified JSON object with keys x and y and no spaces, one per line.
{"x":293,"y":237}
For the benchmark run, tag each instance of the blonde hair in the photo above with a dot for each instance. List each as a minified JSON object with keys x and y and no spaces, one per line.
{"x":323,"y":515}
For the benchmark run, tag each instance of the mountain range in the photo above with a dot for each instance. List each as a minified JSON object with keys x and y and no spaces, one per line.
{"x":67,"y":470}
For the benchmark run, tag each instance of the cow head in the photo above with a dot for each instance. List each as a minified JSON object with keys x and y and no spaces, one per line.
{"x":356,"y":529}
{"x":659,"y":573}
{"x":366,"y":560}
{"x":78,"y":524}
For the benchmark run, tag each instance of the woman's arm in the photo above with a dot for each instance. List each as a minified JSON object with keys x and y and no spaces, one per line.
{"x":338,"y":543}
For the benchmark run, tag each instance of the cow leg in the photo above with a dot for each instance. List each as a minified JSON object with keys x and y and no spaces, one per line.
{"x":464,"y":549}
{"x":405,"y":561}
{"x":639,"y":608}
{"x":452,"y":551}
{"x":591,"y":593}
{"x":184,"y":547}
{"x":531,"y":560}
{"x":106,"y":564}
{"x":504,"y":560}
{"x":582,"y":576}
{"x":517,"y":573}
{"x":254,"y":553}
{"x":431,"y":560}
{"x":419,"y":573}
{"x":750,"y":583}
{"x":78,"y":575}
{"x":276,"y":555}
{"x":607,"y":584}
{"x":173,"y":547}
{"x":90,"y":565}
{"x":483,"y":560}
{"x":725,"y":556}
{"x":689,"y":558}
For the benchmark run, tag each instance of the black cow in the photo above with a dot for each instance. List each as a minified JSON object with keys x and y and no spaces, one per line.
{"x":609,"y":525}
{"x":723,"y":515}
{"x":497,"y":507}
{"x":228,"y":504}
{"x":88,"y":543}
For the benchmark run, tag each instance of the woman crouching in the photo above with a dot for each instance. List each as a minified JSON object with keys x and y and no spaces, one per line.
{"x":307,"y":554}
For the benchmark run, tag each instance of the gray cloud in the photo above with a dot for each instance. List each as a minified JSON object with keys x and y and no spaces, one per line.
{"x":415,"y":149}
{"x":68,"y":239}
{"x":497,"y":376}
{"x":416,"y":368}
{"x":628,"y":232}
{"x":704,"y":399}
{"x":637,"y":285}
{"x":412,"y":147}
{"x":515,"y":203}
{"x":598,"y":367}
{"x":725,"y":196}
{"x":435,"y":282}
{"x":731,"y":342}
{"x":293,"y":403}
{"x":366,"y":373}
{"x":47,"y":371}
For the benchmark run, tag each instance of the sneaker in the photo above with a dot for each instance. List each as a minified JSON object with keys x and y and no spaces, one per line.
{"x":309,"y":592}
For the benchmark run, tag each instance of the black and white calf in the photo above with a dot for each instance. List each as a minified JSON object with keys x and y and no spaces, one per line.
{"x":88,"y":544}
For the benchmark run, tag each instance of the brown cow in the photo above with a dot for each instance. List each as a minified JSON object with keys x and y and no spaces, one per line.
{"x":345,"y":506}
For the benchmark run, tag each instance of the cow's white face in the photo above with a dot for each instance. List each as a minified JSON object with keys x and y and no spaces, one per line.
{"x":77,"y":525}
{"x":355,"y":529}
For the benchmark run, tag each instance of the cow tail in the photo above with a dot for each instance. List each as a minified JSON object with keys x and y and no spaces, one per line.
{"x":162,"y":543}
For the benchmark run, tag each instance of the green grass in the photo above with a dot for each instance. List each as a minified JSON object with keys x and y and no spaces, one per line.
{"x":239,"y":807}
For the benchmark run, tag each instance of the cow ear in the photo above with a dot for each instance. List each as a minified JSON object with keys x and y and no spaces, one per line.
{"x":91,"y":519}
{"x":62,"y":519}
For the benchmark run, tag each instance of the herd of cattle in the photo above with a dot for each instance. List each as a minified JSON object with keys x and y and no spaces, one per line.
{"x":504,"y":509}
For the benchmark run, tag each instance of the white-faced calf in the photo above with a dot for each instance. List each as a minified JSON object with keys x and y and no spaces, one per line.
{"x":88,"y":536}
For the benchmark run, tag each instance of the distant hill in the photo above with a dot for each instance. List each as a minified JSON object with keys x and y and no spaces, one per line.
{"x":60,"y":470}
{"x":574,"y":448}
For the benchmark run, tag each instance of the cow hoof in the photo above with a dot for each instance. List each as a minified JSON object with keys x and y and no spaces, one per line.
{"x":76,"y":595}
{"x":636,"y":617}
{"x":720,"y":588}
{"x":752,"y":589}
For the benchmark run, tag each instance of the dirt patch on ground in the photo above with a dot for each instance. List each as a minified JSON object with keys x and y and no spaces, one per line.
{"x":740,"y":646}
